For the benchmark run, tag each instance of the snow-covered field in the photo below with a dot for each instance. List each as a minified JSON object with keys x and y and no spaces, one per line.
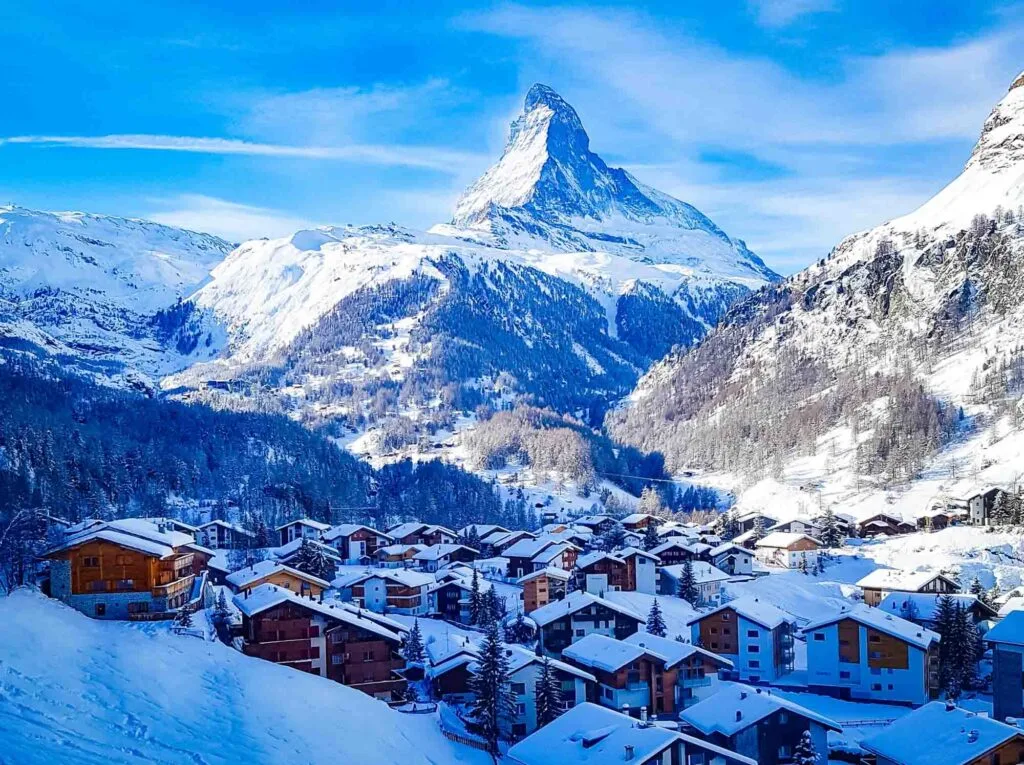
{"x":76,"y":690}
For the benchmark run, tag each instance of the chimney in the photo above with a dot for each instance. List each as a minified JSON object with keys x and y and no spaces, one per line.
{"x":743,"y":694}
{"x":643,"y":715}
{"x":972,"y":736}
{"x":950,"y":706}
{"x":629,"y":752}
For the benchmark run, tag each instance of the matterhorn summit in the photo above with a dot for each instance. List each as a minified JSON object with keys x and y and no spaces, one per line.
{"x":550,"y":191}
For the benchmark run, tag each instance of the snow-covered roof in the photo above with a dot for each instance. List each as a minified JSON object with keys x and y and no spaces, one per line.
{"x":592,"y":520}
{"x":879,"y":620}
{"x":1010,"y":604}
{"x":737,"y":706}
{"x":519,"y":657}
{"x":348,"y":529}
{"x":246,"y":576}
{"x":589,"y":734}
{"x":235,"y":527}
{"x":606,"y":653}
{"x":904,"y":581}
{"x":703,"y":572}
{"x":404,"y":529}
{"x":500,"y":539}
{"x":550,"y":553}
{"x":585,"y":561}
{"x":752,"y":609}
{"x":938,"y":735}
{"x":682,"y":543}
{"x":317,"y":525}
{"x":576,"y":601}
{"x":553,"y":573}
{"x":751,"y":515}
{"x":672,"y":650}
{"x":925,"y":604}
{"x":592,"y":735}
{"x":402,"y":576}
{"x":629,"y":552}
{"x":527,"y":548}
{"x":725,"y":547}
{"x":399,"y":549}
{"x":270,"y":595}
{"x":196,"y":547}
{"x":132,"y":533}
{"x":293,"y":547}
{"x":783,"y":539}
{"x":482,"y":529}
{"x":637,"y":518}
{"x":1009,"y":630}
{"x":436,"y":552}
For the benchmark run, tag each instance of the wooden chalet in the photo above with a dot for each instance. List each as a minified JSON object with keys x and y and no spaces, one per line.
{"x":356,"y":543}
{"x":543,"y":587}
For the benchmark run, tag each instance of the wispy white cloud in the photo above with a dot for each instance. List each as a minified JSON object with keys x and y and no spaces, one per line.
{"x":781,"y":13}
{"x":422,"y":157}
{"x":230,"y":220}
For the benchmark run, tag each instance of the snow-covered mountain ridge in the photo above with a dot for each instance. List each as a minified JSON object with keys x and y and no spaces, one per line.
{"x":889,"y":370}
{"x":91,"y":286}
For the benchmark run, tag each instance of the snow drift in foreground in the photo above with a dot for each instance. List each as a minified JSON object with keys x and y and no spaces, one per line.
{"x":77,"y":690}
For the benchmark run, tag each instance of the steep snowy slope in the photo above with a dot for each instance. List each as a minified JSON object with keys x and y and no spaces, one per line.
{"x":890,"y":371}
{"x":559,"y":274}
{"x":91,"y":286}
{"x":74,"y":690}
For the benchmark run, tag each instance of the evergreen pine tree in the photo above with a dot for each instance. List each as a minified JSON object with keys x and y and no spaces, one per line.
{"x":651,"y":538}
{"x":548,"y":694}
{"x":475,"y":601}
{"x":655,"y":620}
{"x":184,"y":617}
{"x":831,"y":536}
{"x":494,"y":702}
{"x":311,"y":559}
{"x":803,"y":563}
{"x":804,"y":753}
{"x":614,"y":538}
{"x":493,"y":607}
{"x":414,"y":645}
{"x":758,"y":530}
{"x":945,"y":625}
{"x":688,"y":583}
{"x":221,"y":610}
{"x":976,"y":589}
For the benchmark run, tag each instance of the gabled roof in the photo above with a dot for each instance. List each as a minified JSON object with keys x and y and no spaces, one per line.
{"x":606,"y":653}
{"x":246,"y":576}
{"x":904,"y":581}
{"x":527,"y":548}
{"x":235,"y":527}
{"x":519,"y":657}
{"x":399,"y":549}
{"x":682,"y":543}
{"x":630,"y":552}
{"x":549,"y":553}
{"x":673,"y":651}
{"x":577,"y":601}
{"x":879,"y":620}
{"x":501,"y":539}
{"x":482,"y":529}
{"x":703,"y":572}
{"x":588,"y":560}
{"x":132,"y":533}
{"x":305,"y":522}
{"x":348,"y":529}
{"x":589,"y":734}
{"x":784,"y":539}
{"x":937,"y":735}
{"x":753,"y":609}
{"x":285,"y":551}
{"x":736,"y":707}
{"x":404,"y":529}
{"x":267,"y":596}
{"x":552,"y":573}
{"x":402,"y":576}
{"x":727,"y":547}
{"x":1009,"y":630}
{"x":637,"y":517}
{"x":436,"y":552}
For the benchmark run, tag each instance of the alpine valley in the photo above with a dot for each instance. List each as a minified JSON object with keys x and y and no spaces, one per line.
{"x":556,"y":284}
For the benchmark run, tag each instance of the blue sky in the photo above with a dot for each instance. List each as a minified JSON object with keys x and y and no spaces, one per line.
{"x":791,"y":123}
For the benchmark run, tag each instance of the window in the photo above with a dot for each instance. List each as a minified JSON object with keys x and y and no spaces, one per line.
{"x":101,"y":609}
{"x":519,"y":689}
{"x":126,"y":584}
{"x":754,"y":664}
{"x":785,"y":752}
{"x":844,"y":675}
{"x":367,"y":655}
{"x":580,"y":633}
{"x":337,"y":659}
{"x":314,"y":652}
{"x":91,"y":562}
{"x":726,"y":631}
{"x":714,"y":644}
{"x":519,"y":729}
{"x":753,"y":649}
{"x":714,"y":630}
{"x":138,"y":608}
{"x":875,"y":638}
{"x":314,"y":631}
{"x":876,"y":686}
{"x":608,"y":693}
{"x":726,"y":616}
{"x":520,"y":709}
{"x":820,"y":636}
{"x":753,"y":633}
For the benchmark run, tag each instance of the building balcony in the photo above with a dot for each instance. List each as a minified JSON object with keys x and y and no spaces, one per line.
{"x":173,"y":588}
{"x":696,"y":682}
{"x":177,"y":564}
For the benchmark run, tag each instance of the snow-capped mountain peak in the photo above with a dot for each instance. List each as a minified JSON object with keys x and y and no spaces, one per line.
{"x":550,"y":191}
{"x":1002,"y":137}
